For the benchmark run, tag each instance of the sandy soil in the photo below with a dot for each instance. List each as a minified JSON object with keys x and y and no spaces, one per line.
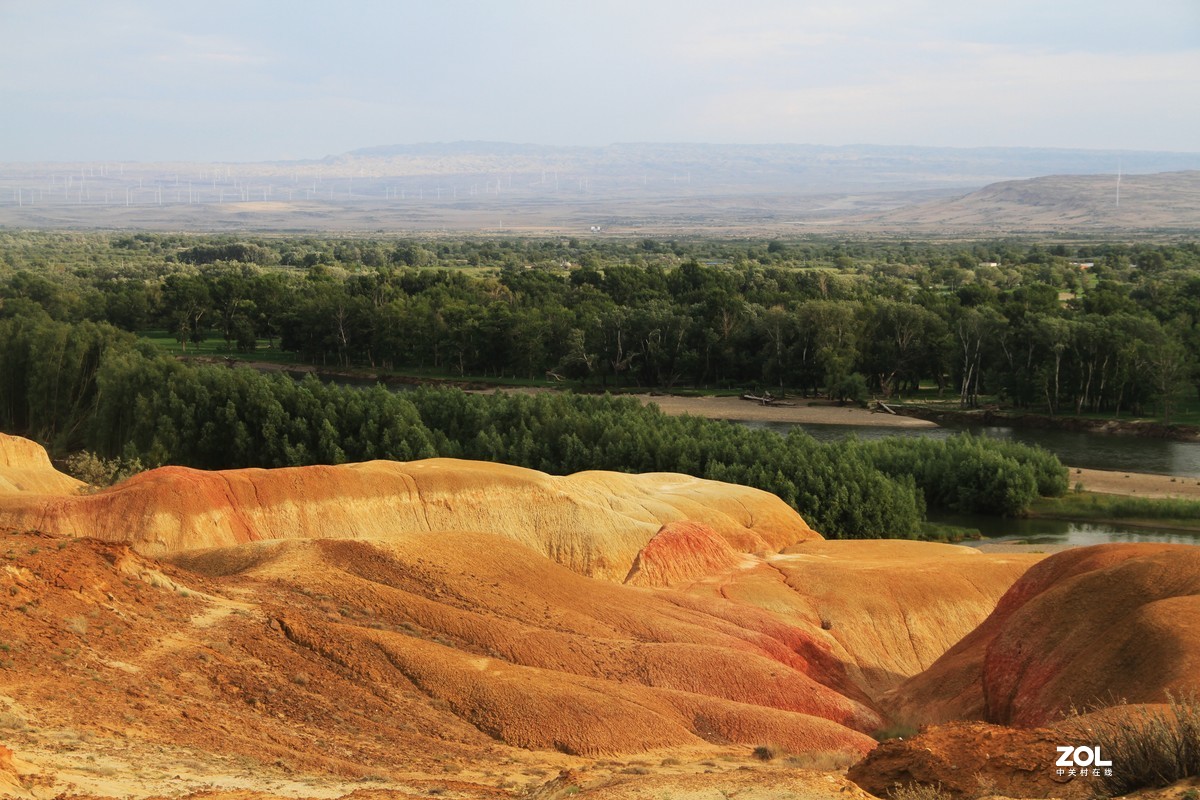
{"x":1135,"y":483}
{"x":805,"y":412}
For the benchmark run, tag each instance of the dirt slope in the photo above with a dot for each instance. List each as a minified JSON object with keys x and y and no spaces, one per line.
{"x":25,"y":468}
{"x":367,"y":649}
{"x":891,"y":608}
{"x":325,"y":658}
{"x":1083,"y":627}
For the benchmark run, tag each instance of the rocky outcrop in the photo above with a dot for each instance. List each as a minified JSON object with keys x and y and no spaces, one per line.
{"x":968,"y":760}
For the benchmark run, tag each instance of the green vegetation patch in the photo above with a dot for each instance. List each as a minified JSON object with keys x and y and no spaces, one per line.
{"x":1158,"y":512}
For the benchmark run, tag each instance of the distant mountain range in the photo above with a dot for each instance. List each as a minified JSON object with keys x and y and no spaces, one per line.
{"x":787,"y":165}
{"x":669,"y":189}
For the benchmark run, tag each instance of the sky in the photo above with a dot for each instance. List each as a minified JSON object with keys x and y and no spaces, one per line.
{"x":155,"y":80}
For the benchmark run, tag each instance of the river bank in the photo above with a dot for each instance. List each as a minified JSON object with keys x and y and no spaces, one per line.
{"x":1135,"y":484}
{"x":1132,"y":484}
{"x":805,"y":412}
{"x":1142,"y":428}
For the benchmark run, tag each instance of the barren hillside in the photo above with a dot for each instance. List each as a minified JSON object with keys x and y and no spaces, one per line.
{"x":1168,"y":201}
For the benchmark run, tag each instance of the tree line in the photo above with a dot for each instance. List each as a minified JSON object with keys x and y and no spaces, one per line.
{"x":1100,"y":328}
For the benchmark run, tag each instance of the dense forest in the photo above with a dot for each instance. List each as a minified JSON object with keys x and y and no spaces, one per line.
{"x":1100,"y":328}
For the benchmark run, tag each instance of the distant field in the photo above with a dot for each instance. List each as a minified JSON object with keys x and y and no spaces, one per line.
{"x":216,"y":347}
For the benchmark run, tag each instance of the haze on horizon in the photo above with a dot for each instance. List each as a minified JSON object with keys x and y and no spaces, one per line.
{"x":268,"y":80}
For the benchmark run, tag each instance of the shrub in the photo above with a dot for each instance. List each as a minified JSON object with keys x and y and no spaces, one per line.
{"x":918,"y":791}
{"x":767,"y":752}
{"x":896,"y":731}
{"x":1150,"y":746}
{"x":970,"y":474}
{"x":98,"y":472}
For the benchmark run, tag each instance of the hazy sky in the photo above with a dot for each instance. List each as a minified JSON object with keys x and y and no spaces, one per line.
{"x":257,"y":79}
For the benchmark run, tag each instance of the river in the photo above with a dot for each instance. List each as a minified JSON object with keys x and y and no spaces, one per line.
{"x":1060,"y":531}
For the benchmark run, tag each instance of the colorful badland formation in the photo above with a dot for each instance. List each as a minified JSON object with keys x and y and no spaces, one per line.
{"x":475,"y":630}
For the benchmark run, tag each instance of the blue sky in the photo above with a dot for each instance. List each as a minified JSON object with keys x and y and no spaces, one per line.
{"x":258,"y":80}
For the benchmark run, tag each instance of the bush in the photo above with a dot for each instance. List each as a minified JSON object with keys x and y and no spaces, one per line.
{"x":895,"y":731}
{"x":1150,"y":746}
{"x":918,"y":791}
{"x":971,"y":474}
{"x":98,"y":472}
{"x":767,"y":752}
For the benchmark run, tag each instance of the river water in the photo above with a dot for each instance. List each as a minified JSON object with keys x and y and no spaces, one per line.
{"x":1088,"y":450}
{"x":1060,"y":531}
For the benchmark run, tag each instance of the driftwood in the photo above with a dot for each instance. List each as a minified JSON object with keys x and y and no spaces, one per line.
{"x":767,"y":400}
{"x":885,"y":407}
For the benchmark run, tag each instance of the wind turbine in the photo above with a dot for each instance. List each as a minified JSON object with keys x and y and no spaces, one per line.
{"x":1118,"y":205}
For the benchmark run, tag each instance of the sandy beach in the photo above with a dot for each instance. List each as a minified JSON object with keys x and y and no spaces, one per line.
{"x":1137,"y":484}
{"x":805,"y":412}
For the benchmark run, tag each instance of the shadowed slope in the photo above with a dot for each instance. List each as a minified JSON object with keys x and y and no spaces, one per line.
{"x":1085,"y":626}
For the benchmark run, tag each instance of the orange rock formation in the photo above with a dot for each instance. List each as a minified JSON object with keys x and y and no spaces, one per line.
{"x":969,"y":760}
{"x":593,"y":522}
{"x":681,"y":552}
{"x":1084,"y":627}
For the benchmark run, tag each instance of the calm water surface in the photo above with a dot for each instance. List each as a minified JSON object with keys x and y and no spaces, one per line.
{"x":1063,"y":532}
